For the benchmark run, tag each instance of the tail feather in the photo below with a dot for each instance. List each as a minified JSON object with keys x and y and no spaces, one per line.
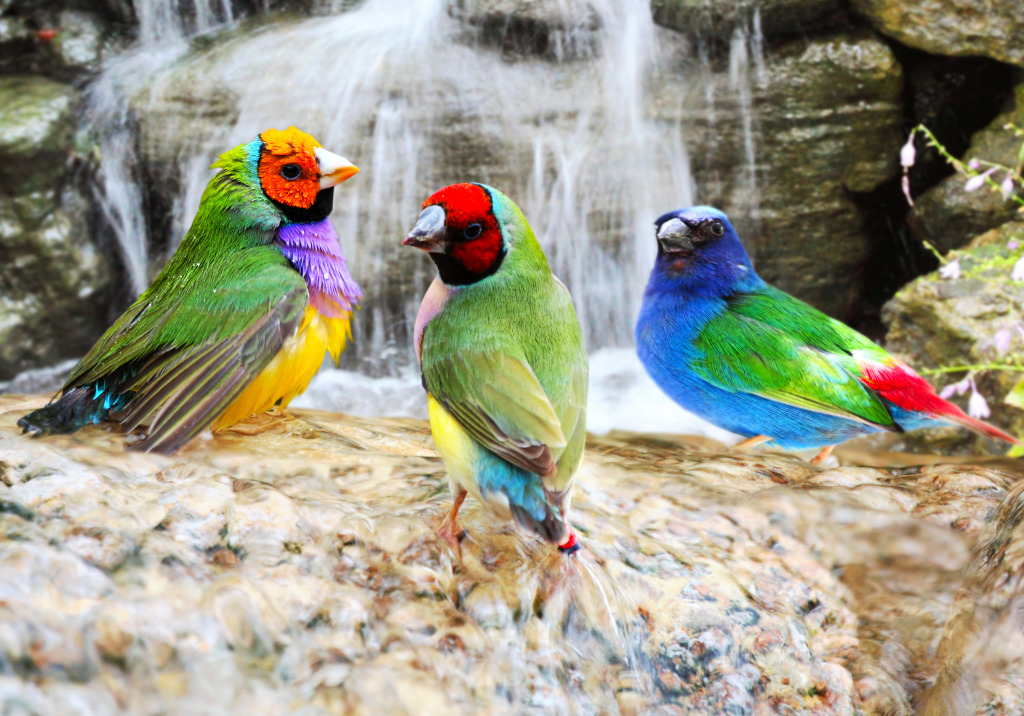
{"x":550,"y":529}
{"x":77,"y":408}
{"x":983,"y":428}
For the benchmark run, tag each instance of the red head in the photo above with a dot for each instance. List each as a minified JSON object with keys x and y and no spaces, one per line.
{"x":460,"y":231}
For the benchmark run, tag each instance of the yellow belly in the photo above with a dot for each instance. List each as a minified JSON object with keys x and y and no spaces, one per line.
{"x":459,"y":451}
{"x":290,"y":371}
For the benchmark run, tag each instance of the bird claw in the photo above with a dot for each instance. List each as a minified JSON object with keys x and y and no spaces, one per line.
{"x":823,"y":455}
{"x":451,"y":533}
{"x":750,"y":443}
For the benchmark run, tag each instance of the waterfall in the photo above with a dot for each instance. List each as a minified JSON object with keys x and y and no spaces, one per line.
{"x":419,"y":94}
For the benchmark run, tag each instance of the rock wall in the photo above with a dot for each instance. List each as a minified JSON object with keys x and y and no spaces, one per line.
{"x":791,"y":112}
{"x":58,"y":275}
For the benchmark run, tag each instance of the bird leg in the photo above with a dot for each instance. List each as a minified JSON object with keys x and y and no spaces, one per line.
{"x":750,"y":442}
{"x":450,"y":530}
{"x":823,"y":455}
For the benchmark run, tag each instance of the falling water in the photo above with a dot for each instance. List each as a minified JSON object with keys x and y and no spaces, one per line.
{"x":419,"y":95}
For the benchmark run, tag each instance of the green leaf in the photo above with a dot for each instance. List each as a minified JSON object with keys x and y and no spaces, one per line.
{"x":1016,"y":396}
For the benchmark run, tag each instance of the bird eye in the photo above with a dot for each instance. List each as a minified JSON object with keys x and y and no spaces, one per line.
{"x":472,"y":231}
{"x":291,"y":172}
{"x":717,"y":228}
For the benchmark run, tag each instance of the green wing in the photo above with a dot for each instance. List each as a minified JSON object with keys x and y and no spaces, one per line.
{"x":185,"y":351}
{"x":497,"y":399}
{"x":775,"y":346}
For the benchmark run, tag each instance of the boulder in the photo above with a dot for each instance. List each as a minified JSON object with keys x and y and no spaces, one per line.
{"x":939,"y":323}
{"x":722,"y":18}
{"x":56,"y":281}
{"x":60,"y":40}
{"x":293,"y":560}
{"x":946,"y":215}
{"x":780,"y":149}
{"x":989,"y":28}
{"x":37,"y":124}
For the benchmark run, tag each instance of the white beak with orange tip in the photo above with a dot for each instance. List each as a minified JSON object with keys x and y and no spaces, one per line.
{"x":333,"y":169}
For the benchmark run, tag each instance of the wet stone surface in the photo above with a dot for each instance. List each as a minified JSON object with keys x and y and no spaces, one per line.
{"x":290,"y":566}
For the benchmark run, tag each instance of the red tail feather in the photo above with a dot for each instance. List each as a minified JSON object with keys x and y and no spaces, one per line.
{"x":900,"y":385}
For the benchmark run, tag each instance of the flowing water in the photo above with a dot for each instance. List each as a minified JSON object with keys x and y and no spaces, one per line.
{"x":419,"y":95}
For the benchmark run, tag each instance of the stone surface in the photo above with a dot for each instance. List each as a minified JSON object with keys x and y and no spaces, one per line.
{"x":822,"y":119}
{"x":935,"y":322}
{"x":722,"y":18}
{"x":37,"y":123}
{"x":987,"y":28}
{"x":948,"y":216}
{"x":292,"y":561}
{"x":56,"y":282}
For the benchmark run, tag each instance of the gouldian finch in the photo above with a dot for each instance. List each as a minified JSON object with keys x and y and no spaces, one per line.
{"x":239,"y":319}
{"x":756,"y":361}
{"x":502,"y":358}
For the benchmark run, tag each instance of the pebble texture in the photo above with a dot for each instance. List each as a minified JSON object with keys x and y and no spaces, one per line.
{"x":290,"y":566}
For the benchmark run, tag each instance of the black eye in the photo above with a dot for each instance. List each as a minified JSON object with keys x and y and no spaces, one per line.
{"x":717,"y":228}
{"x":291,"y":172}
{"x":472,"y":231}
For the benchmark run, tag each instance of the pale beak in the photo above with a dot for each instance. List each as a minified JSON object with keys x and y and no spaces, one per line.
{"x":674,"y":236}
{"x":430,"y":231}
{"x":333,"y":169}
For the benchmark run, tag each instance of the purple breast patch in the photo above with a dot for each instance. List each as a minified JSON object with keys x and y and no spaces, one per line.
{"x":314,"y":250}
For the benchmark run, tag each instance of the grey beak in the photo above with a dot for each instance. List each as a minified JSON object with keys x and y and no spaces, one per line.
{"x":430,"y":231}
{"x":674,"y":236}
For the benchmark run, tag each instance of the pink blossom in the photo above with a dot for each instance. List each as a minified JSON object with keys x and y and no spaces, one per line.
{"x":1001,"y":340}
{"x":1012,"y":244}
{"x":977,"y":406}
{"x":978,"y":180}
{"x":974,"y":164}
{"x":958,"y":388}
{"x":905,"y":184}
{"x":1007,"y":185}
{"x":908,"y":154}
{"x":1018,"y":270}
{"x":952,"y":270}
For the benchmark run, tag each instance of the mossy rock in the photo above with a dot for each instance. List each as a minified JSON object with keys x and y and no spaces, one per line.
{"x":37,"y":124}
{"x":936,"y":322}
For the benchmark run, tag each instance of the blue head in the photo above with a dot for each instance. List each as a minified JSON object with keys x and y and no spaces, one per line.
{"x":699,"y":253}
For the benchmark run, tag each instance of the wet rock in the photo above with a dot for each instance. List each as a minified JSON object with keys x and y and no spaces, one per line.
{"x":56,"y":281}
{"x":37,"y":123}
{"x":59,"y":40}
{"x":708,"y":583}
{"x":948,"y":216}
{"x":951,"y":27}
{"x":721,"y":19}
{"x":49,"y":268}
{"x":935,"y":322}
{"x":532,"y":27}
{"x":781,"y":151}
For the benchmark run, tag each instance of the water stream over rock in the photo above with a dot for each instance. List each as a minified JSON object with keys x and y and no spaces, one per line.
{"x":419,"y":93}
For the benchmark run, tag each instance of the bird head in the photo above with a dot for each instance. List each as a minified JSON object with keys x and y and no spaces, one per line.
{"x":459,"y":227}
{"x":296,"y":173}
{"x":699,"y":246}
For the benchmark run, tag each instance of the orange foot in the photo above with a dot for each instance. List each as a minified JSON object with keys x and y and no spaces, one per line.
{"x":823,"y":455}
{"x":449,"y":530}
{"x":750,"y":443}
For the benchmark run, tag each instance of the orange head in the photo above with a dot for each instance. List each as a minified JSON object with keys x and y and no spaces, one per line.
{"x":294,"y":168}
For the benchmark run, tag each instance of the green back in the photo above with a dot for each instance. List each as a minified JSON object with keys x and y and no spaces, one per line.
{"x":480,"y":351}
